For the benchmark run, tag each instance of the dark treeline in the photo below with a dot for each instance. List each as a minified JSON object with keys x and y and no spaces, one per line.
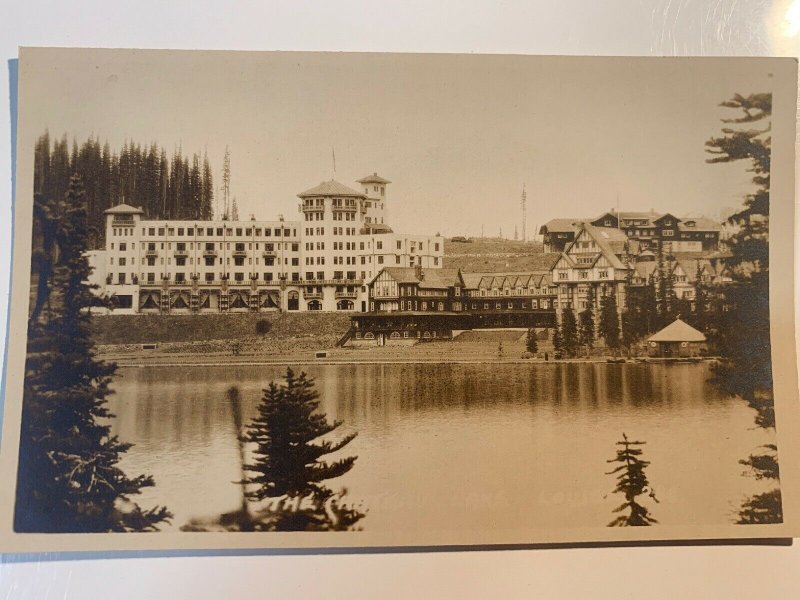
{"x":164,"y":187}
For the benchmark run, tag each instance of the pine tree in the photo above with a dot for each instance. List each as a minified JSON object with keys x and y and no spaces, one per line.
{"x":288,"y":456}
{"x":699,"y":315}
{"x":586,"y":331}
{"x":569,"y":332}
{"x":631,"y":482}
{"x":558,"y":346}
{"x":745,"y":368}
{"x":531,"y":343}
{"x":609,"y":321}
{"x":69,"y":479}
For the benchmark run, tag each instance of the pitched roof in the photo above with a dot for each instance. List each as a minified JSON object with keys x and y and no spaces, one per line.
{"x":440,"y":278}
{"x":559,"y":225}
{"x":331,"y":188}
{"x":678,"y":331}
{"x":431,"y":278}
{"x":374,"y":178}
{"x":124,"y":209}
{"x":400,"y":274}
{"x":514,"y":279}
{"x":611,"y":242}
{"x":700,"y":224}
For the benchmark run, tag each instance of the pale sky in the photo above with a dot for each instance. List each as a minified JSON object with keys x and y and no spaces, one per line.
{"x":458,"y":135}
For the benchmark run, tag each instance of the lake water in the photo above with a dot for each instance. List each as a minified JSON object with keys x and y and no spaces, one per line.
{"x":459,"y":446}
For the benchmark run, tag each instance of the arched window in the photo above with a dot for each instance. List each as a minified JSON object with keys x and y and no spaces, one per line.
{"x":344,"y":305}
{"x":369,"y":336}
{"x":395,"y":335}
{"x":315,"y":305}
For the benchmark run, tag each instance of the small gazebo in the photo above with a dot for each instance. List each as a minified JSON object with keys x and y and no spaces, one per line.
{"x":676,"y":340}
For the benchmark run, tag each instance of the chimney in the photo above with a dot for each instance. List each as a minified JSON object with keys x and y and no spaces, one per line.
{"x":418,"y":272}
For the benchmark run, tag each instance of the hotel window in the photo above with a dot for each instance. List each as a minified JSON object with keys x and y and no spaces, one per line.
{"x":122,"y":246}
{"x":180,"y":230}
{"x":667,"y":232}
{"x":562,"y":275}
{"x":209,"y":277}
{"x":603,"y":274}
{"x":179,"y":278}
{"x":151,"y":231}
{"x":584,"y":275}
{"x":238,"y":276}
{"x":190,"y":231}
{"x":535,"y":303}
{"x":160,"y":231}
{"x":498,"y":305}
{"x":170,"y":231}
{"x":151,"y":277}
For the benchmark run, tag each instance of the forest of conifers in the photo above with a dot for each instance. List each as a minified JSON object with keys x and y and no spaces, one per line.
{"x":176,"y":187}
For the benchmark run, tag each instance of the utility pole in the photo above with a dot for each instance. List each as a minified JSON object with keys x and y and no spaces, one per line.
{"x":524,"y":214}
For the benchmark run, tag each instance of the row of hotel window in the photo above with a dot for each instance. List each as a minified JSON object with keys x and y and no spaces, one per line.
{"x":311,"y":231}
{"x":543,"y":303}
{"x":562,"y":275}
{"x":210,"y":277}
{"x":210,"y":246}
{"x":517,"y":291}
{"x":337,"y":216}
{"x":207,"y":231}
{"x":208,"y":261}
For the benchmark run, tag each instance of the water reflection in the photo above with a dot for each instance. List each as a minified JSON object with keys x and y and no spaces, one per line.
{"x":458,"y":446}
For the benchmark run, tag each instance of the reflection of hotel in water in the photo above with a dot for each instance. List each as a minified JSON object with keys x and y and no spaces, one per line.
{"x":322,"y":262}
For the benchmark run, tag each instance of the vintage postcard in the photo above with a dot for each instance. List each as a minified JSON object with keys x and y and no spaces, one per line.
{"x":374,"y":300}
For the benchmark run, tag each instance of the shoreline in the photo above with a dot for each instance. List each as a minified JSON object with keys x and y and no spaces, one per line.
{"x":364,"y":358}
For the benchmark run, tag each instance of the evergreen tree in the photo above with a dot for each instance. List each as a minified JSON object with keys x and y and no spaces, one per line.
{"x":586,"y":330}
{"x":531,"y":343}
{"x":743,"y":338}
{"x":631,"y":483}
{"x":569,"y":332}
{"x":558,"y":346}
{"x":69,"y":479}
{"x":609,"y":321}
{"x":288,"y":455}
{"x":664,"y":290}
{"x":141,"y":176}
{"x":649,"y":307}
{"x":699,"y":320}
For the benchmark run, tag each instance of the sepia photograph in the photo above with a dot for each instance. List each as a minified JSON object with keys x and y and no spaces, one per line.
{"x":290,"y":299}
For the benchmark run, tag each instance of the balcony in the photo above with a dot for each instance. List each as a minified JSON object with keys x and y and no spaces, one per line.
{"x":151,"y":252}
{"x":239,"y":253}
{"x":307,"y":209}
{"x":351,"y":209}
{"x":181,"y":253}
{"x":312,"y":295}
{"x":344,"y":294}
{"x":344,"y":282}
{"x":210,"y":252}
{"x":269,"y":254}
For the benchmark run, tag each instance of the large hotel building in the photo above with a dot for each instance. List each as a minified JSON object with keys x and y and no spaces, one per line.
{"x":322,"y":262}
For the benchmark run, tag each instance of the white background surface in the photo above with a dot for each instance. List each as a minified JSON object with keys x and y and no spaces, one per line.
{"x":611,"y":27}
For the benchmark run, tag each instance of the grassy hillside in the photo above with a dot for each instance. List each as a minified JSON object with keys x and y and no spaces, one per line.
{"x":141,"y":329}
{"x":490,"y":254}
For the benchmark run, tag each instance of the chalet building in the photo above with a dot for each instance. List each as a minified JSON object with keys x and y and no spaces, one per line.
{"x":689,"y":234}
{"x":594,"y":259}
{"x":418,"y":304}
{"x":322,"y":262}
{"x":416,"y":289}
{"x":493,"y":292}
{"x":676,"y":340}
